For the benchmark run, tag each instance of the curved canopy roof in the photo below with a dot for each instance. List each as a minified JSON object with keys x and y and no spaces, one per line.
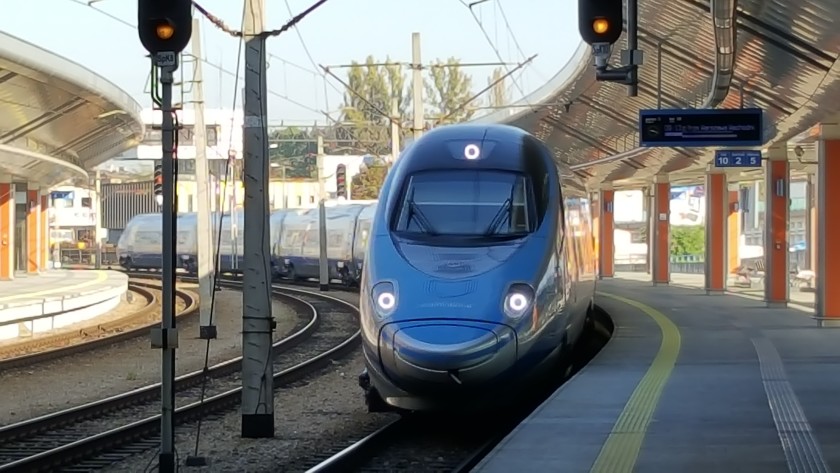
{"x":57,"y":118}
{"x":785,"y":62}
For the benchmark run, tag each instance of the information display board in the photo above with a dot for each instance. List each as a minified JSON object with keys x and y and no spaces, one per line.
{"x":699,"y":128}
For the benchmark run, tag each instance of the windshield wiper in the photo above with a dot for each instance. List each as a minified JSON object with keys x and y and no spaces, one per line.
{"x":501,"y":215}
{"x":421,"y":219}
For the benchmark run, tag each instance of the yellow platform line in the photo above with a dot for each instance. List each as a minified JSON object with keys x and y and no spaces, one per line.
{"x":621,"y":449}
{"x":101,"y":276}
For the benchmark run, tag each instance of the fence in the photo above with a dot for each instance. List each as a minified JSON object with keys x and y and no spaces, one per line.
{"x":121,"y":202}
{"x":687,"y":264}
{"x":71,"y":256}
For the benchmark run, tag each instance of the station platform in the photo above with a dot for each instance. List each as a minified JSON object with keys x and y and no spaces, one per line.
{"x":689,"y":383}
{"x":54,"y":299}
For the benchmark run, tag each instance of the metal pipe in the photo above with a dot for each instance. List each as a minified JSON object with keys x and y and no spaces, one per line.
{"x":724,"y":27}
{"x":659,"y":75}
{"x":633,"y":45}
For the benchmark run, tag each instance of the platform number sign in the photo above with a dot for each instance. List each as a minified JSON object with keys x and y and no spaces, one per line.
{"x":737,"y":159}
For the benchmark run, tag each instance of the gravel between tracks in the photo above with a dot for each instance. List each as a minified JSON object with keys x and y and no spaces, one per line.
{"x":315,"y":418}
{"x":36,"y":390}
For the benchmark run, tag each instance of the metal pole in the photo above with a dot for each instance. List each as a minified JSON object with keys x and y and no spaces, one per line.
{"x":633,"y":45}
{"x":659,"y":75}
{"x":257,"y":322}
{"x":810,"y":202}
{"x":319,"y":157}
{"x":206,"y":329}
{"x":283,"y":187}
{"x":395,"y":130}
{"x":417,"y":85}
{"x":166,"y":337}
{"x":234,"y":216}
{"x":324,"y":274}
{"x":97,"y":229}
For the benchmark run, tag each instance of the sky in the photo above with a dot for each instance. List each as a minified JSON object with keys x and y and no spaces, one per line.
{"x":103,"y":38}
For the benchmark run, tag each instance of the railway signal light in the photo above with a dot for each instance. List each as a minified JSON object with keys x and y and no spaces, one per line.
{"x":158,"y":189}
{"x":341,"y":181}
{"x":600,"y":21}
{"x":164,"y":25}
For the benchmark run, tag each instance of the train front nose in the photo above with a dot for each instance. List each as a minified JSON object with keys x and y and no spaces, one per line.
{"x":457,"y":354}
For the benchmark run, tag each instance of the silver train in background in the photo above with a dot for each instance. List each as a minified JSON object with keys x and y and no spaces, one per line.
{"x":294,"y":241}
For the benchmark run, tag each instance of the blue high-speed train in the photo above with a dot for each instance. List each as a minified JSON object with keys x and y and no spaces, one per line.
{"x":479,"y":274}
{"x":294,"y":241}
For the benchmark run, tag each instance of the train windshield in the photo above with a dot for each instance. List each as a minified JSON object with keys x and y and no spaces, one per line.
{"x":465,"y":203}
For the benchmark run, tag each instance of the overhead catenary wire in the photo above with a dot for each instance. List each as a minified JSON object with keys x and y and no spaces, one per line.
{"x":480,"y":24}
{"x":238,"y":33}
{"x":312,"y":61}
{"x":228,"y":72}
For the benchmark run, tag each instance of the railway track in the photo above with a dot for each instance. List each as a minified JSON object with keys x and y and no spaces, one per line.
{"x":91,"y":436}
{"x":455,"y":443}
{"x":229,"y":277}
{"x":50,"y":347}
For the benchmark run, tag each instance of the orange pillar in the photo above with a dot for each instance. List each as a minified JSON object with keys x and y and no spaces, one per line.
{"x":7,"y":230}
{"x":776,"y":244}
{"x":661,"y":238}
{"x":828,"y":222}
{"x":595,"y":208}
{"x":733,"y":232}
{"x":33,"y":230}
{"x":606,"y":244}
{"x":717,"y":214}
{"x":45,"y":230}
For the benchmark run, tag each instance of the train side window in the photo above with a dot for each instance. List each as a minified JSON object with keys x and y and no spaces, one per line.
{"x":335,"y":238}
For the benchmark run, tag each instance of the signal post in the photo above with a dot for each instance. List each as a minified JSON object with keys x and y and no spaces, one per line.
{"x":165,"y":28}
{"x":600,"y":24}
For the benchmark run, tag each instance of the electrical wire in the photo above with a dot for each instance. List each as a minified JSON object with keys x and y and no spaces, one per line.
{"x":264,"y":34}
{"x":480,"y":24}
{"x":218,"y":67}
{"x":312,"y":61}
{"x":292,"y":23}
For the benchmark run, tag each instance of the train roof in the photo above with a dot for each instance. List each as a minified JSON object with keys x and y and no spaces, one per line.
{"x":472,"y":146}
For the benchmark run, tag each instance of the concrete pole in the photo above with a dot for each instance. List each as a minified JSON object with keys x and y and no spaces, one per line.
{"x":417,"y":84}
{"x":204,"y":236}
{"x":257,"y":322}
{"x":97,"y":209}
{"x":395,"y":130}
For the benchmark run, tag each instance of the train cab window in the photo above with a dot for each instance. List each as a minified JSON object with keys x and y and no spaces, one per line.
{"x":467,"y":203}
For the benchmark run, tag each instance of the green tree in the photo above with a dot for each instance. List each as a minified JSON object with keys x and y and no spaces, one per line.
{"x":368,"y":100}
{"x":366,"y":184}
{"x":295,"y":149}
{"x":447,"y":90}
{"x":498,"y":92}
{"x":688,"y":240}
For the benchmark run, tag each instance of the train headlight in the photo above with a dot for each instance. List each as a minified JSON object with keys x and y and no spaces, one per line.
{"x":384,"y":299}
{"x":519,"y":300}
